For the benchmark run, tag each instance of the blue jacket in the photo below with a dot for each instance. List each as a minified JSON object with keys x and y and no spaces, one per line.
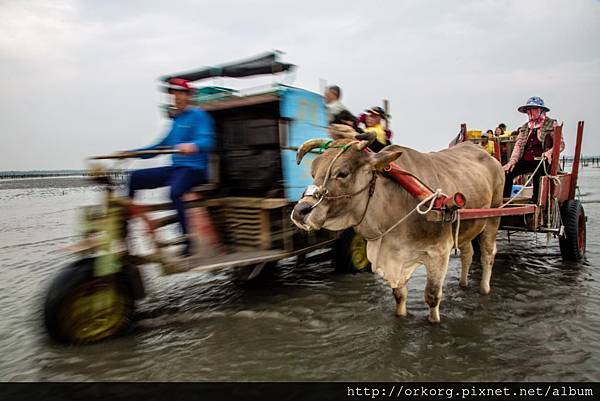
{"x":190,"y":126}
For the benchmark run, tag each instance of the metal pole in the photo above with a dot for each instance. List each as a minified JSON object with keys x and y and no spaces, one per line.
{"x":556,"y":149}
{"x":575,"y":167}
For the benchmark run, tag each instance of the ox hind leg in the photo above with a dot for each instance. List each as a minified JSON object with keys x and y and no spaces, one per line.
{"x":487,"y":243}
{"x":436,"y":274}
{"x":400,"y":293}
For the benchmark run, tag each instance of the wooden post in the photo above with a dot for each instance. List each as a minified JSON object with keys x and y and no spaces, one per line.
{"x":497,"y":149}
{"x":322,"y":86}
{"x":265,"y":229}
{"x":575,"y":166}
{"x":386,"y":108}
{"x":556,"y":149}
{"x":463,"y":130}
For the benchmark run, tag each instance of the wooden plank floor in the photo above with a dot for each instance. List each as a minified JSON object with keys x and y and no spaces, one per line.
{"x":242,"y":258}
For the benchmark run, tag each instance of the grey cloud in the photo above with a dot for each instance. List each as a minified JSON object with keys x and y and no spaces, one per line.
{"x":79,"y":77}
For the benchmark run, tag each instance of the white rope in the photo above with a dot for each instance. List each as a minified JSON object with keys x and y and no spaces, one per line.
{"x":431,"y":199}
{"x":455,"y":242}
{"x":554,"y":211}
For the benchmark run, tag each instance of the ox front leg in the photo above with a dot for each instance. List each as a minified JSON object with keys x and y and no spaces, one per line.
{"x":436,"y":274}
{"x":487,"y":244}
{"x":400,"y":293}
{"x":466,"y":258}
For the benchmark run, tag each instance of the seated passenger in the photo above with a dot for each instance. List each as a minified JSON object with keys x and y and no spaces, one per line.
{"x":344,"y":125}
{"x":486,"y":143}
{"x":534,"y":141}
{"x":373,"y":125}
{"x":334,"y":106}
{"x":192,"y":133}
{"x":501,"y":131}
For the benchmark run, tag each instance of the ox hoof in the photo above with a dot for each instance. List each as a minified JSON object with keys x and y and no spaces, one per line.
{"x":401,"y":313}
{"x":484,"y":290}
{"x":434,"y":320}
{"x":463,"y":284}
{"x":434,"y":316}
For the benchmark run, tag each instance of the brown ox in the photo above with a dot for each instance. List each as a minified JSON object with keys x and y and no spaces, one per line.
{"x":465,"y":168}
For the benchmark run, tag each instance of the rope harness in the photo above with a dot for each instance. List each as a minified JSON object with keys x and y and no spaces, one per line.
{"x":321,"y":193}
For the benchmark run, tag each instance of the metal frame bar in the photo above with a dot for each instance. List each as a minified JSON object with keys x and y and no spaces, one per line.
{"x":557,"y":139}
{"x":469,"y":214}
{"x":576,"y":158}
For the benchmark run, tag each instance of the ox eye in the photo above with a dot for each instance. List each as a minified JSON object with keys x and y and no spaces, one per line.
{"x":342,"y":174}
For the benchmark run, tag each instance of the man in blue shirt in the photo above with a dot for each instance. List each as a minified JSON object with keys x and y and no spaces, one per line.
{"x":192,"y":133}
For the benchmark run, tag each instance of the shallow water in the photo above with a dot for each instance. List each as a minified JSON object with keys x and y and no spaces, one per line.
{"x":302,"y":321}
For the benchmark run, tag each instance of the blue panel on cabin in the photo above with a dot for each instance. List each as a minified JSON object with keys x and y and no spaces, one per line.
{"x":297,"y":178}
{"x":308,"y":119}
{"x":300,"y":105}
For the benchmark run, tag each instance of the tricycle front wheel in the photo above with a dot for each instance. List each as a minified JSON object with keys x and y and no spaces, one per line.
{"x":81,"y":308}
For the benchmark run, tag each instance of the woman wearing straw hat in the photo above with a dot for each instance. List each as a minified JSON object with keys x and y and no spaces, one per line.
{"x":534,"y":141}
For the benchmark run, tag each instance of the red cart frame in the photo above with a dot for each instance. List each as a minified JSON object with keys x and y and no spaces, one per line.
{"x":556,"y":212}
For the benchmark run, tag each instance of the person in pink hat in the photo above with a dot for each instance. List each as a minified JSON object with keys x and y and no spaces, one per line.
{"x":534,"y":142}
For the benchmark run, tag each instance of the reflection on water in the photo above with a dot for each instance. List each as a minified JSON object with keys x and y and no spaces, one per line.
{"x":302,"y":321}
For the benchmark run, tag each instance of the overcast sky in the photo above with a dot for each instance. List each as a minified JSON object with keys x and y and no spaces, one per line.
{"x":78,"y":78}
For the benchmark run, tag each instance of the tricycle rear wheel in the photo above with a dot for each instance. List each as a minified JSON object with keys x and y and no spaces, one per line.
{"x":572,"y":242}
{"x":81,"y":308}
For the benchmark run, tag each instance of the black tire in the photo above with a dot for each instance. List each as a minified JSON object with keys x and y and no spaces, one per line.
{"x":350,"y":253}
{"x":67,"y":314}
{"x":572,"y":242}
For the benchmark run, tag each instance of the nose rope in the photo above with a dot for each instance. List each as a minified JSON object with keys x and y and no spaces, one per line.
{"x":322,"y":190}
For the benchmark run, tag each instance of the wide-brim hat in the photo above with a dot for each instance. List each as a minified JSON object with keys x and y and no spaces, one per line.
{"x":378,"y":111}
{"x":533,"y":102}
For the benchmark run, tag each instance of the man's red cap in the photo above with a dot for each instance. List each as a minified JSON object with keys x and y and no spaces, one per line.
{"x":178,"y":84}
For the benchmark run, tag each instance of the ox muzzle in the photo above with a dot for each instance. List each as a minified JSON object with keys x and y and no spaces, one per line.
{"x":311,"y":198}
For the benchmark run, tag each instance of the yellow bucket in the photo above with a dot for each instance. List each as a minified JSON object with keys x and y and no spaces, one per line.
{"x":473,"y":134}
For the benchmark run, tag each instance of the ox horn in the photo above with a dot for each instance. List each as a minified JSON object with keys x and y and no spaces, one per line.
{"x":365,"y":140}
{"x":308,"y":146}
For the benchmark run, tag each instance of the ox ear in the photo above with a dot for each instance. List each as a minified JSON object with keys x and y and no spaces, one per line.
{"x":385,"y":156}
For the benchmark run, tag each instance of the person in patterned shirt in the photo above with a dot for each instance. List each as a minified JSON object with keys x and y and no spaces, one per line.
{"x":534,"y":142}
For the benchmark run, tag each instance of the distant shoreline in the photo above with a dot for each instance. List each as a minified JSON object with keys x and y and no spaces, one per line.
{"x":46,"y":181}
{"x":4,"y":175}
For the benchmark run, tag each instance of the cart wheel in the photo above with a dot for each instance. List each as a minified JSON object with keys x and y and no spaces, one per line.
{"x":572,"y":242}
{"x":351,"y":253}
{"x":82,"y":309}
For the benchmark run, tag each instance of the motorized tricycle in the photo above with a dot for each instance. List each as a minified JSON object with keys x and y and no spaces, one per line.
{"x":241,"y":215}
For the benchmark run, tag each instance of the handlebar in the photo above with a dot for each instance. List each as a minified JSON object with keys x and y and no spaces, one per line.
{"x":139,"y":153}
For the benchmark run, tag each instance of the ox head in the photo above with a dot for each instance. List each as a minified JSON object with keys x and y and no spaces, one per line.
{"x":342,"y":175}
